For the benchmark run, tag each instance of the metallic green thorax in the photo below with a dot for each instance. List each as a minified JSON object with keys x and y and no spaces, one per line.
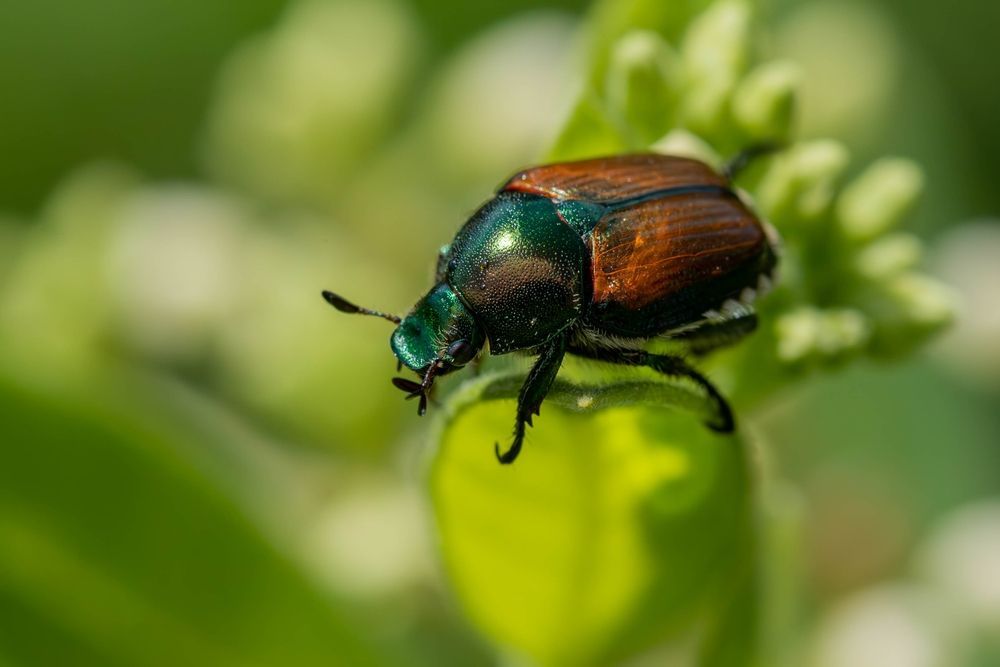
{"x":438,"y":320}
{"x":520,"y":269}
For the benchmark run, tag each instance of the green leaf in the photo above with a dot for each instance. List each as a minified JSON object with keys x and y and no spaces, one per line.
{"x":801,"y":182}
{"x":608,"y":534}
{"x":624,"y":523}
{"x":588,"y":132}
{"x":888,"y":256}
{"x":300,"y":106}
{"x":116,"y":550}
{"x":814,"y":335}
{"x":907,"y":309}
{"x":714,"y":55}
{"x":641,"y":85}
{"x":732,"y":635}
{"x":878,"y":199}
{"x":764,"y":102}
{"x":610,"y":19}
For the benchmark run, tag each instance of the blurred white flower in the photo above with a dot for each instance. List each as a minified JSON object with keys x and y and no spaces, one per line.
{"x":372,"y":540}
{"x":813,"y":334}
{"x":503,"y":96}
{"x":196,"y":278}
{"x":54,"y":305}
{"x":300,"y":106}
{"x":889,"y":626}
{"x":962,"y":557}
{"x":968,"y":259}
{"x":173,"y":268}
{"x":284,"y":351}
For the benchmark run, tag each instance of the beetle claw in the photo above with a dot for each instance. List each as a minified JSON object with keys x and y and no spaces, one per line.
{"x":722,"y":424}
{"x":413,"y":390}
{"x":508,"y":456}
{"x":409,"y":386}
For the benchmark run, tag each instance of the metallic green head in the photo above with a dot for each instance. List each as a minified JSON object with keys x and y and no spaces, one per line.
{"x":438,"y":336}
{"x":439,"y":331}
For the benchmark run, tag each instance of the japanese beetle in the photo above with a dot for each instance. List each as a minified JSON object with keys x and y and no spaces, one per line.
{"x":591,"y":258}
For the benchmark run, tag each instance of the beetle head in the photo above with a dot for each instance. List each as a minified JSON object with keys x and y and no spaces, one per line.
{"x":439,"y":331}
{"x":438,"y":336}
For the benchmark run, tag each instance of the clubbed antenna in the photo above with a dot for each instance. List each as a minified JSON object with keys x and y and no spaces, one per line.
{"x":345,"y":306}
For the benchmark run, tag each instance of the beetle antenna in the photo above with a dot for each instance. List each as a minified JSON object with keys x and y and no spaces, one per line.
{"x":345,"y":306}
{"x":736,"y":164}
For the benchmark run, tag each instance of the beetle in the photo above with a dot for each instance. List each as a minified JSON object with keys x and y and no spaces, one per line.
{"x":592,"y":258}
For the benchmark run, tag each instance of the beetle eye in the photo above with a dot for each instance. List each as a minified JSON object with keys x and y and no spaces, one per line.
{"x":461,"y":352}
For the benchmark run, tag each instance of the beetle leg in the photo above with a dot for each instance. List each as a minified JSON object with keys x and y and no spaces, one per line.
{"x":441,"y":268}
{"x":533,"y":391}
{"x":711,"y":336}
{"x":670,"y":365}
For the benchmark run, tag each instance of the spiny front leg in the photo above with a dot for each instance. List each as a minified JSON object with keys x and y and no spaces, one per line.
{"x":668,"y":365}
{"x":533,"y":392}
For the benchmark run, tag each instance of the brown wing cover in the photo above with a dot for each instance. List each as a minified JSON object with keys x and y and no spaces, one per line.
{"x":616,"y":178}
{"x":661,"y":263}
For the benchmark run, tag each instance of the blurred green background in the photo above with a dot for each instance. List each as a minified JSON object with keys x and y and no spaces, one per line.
{"x":199,"y":464}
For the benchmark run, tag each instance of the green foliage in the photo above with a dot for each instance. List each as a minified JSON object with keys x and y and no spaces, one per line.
{"x":275,"y":136}
{"x":84,"y":575}
{"x":556,"y":557}
{"x":593,"y":545}
{"x":203,"y":464}
{"x":182,"y":277}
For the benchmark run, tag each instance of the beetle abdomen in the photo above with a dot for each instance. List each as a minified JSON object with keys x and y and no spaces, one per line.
{"x":667,"y":238}
{"x":661,"y":262}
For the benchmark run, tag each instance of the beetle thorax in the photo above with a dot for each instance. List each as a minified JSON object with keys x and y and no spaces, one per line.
{"x":521,"y":271}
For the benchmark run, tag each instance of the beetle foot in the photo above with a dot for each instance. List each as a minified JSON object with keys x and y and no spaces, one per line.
{"x":510,"y":455}
{"x":515,"y":447}
{"x":413,"y":390}
{"x":723,"y":421}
